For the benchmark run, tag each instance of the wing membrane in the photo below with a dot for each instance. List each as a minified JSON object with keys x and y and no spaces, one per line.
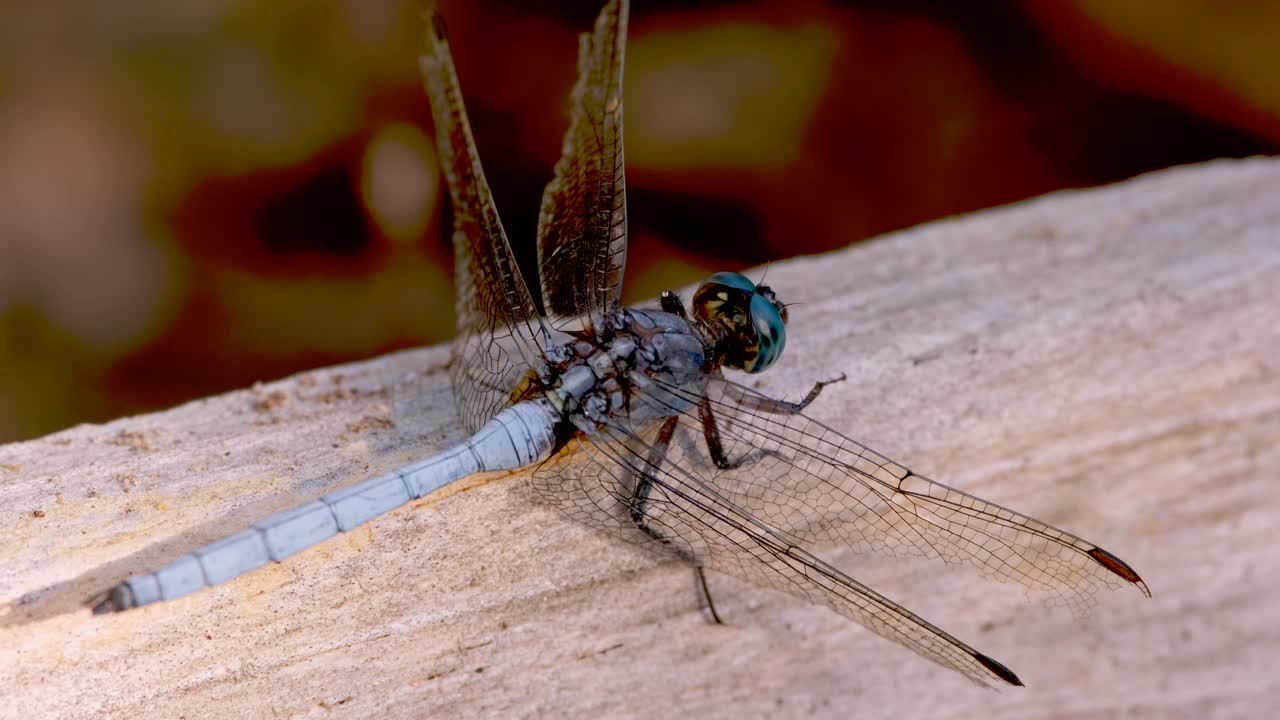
{"x":582,"y":227}
{"x":593,"y":483}
{"x":823,"y":487}
{"x":500,"y":332}
{"x":796,"y":483}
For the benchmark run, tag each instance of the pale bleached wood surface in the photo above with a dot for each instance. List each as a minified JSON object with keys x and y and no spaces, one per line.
{"x":1103,"y":360}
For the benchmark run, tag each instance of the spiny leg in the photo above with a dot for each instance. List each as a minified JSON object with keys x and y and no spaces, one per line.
{"x":704,"y":594}
{"x":640,"y":498}
{"x":764,"y":404}
{"x":711,"y":434}
{"x":715,"y":448}
{"x":786,"y":407}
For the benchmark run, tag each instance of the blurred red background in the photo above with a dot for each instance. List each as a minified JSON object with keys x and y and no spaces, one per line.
{"x":196,"y":195}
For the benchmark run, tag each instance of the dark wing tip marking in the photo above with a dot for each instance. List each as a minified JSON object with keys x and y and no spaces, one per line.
{"x":998,"y":669}
{"x":1119,"y":567}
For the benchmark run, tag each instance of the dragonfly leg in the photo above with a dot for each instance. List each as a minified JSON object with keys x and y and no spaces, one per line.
{"x":765,"y":404}
{"x":640,"y":498}
{"x":711,"y":432}
{"x":785,"y":407}
{"x":712,"y":435}
{"x":704,"y":595}
{"x":644,"y":481}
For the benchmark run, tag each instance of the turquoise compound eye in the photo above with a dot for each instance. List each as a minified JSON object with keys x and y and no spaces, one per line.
{"x":771,"y":334}
{"x":733,"y":280}
{"x":751,"y":328}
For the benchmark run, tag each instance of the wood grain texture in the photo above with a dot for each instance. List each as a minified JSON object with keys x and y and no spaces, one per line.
{"x":1106,"y":361}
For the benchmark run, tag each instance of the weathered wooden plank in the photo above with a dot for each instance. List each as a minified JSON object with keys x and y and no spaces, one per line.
{"x":1103,"y":360}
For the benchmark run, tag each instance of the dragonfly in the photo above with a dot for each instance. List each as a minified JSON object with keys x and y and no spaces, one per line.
{"x":631,"y":423}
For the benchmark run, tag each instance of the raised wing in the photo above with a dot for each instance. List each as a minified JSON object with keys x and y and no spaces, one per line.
{"x":500,"y":333}
{"x":796,"y":484}
{"x":582,"y":227}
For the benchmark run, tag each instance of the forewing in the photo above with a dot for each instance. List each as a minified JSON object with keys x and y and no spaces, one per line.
{"x":500,"y":333}
{"x":820,"y":486}
{"x":593,"y":480}
{"x":795,"y":483}
{"x":582,"y":227}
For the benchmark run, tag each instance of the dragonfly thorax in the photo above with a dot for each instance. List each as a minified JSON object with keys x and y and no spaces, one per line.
{"x":638,"y":370}
{"x":745,"y":321}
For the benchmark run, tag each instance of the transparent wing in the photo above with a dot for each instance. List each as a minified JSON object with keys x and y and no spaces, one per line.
{"x":593,"y":479}
{"x":820,"y":486}
{"x":582,"y":227}
{"x":798,"y":483}
{"x":500,"y":332}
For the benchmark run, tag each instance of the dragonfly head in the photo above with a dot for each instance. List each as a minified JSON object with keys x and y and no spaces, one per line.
{"x":749,"y":316}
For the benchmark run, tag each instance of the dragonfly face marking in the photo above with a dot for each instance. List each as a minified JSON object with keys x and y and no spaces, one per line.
{"x":746,"y":318}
